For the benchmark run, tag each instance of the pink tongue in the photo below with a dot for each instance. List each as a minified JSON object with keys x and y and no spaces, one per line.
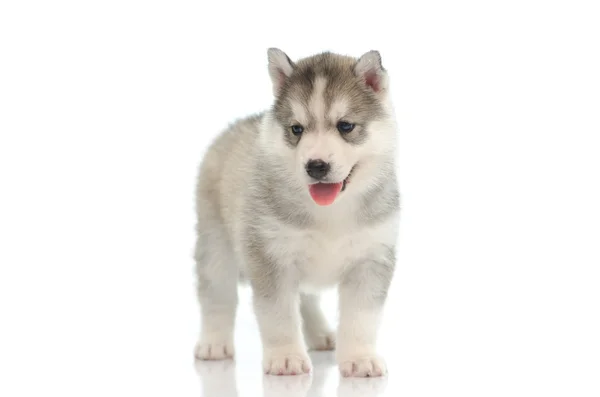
{"x":325,"y":193}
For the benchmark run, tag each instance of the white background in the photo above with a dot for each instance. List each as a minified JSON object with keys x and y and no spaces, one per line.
{"x":106,"y":108}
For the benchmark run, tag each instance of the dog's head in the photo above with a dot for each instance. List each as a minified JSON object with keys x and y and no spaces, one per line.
{"x":332,"y":113}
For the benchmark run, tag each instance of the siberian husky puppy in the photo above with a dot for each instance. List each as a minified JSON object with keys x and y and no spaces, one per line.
{"x":297,"y":199}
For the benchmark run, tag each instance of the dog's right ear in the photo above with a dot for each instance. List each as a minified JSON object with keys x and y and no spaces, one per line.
{"x":280,"y":68}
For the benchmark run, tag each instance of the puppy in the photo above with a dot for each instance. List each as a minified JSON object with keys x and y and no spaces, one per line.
{"x":300,"y":198}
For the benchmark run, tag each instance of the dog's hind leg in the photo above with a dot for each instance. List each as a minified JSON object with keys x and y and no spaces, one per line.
{"x":317,"y":332}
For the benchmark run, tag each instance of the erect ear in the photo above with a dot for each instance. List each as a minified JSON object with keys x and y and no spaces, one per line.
{"x":369,"y":68}
{"x":280,"y":68}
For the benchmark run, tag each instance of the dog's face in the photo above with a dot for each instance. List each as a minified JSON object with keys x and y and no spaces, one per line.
{"x":329,"y":110}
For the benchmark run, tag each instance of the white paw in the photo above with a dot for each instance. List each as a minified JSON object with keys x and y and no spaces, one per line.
{"x":286,"y":362}
{"x":323,"y":340}
{"x":214,"y":349}
{"x":361,"y":367}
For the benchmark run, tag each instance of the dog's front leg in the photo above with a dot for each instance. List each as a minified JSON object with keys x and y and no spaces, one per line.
{"x":276,"y":300}
{"x":362,"y":293}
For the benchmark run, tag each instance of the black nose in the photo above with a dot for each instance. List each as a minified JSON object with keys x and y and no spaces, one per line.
{"x":317,"y":168}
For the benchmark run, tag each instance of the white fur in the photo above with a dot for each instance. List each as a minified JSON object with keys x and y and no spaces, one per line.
{"x":329,"y":247}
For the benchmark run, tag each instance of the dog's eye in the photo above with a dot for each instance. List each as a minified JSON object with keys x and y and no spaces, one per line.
{"x":297,"y":129}
{"x":345,"y":127}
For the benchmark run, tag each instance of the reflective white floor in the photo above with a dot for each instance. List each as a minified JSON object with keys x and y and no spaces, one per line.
{"x":224,"y":379}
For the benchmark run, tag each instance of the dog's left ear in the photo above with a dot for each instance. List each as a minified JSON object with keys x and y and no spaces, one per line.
{"x":280,"y":68}
{"x":369,"y":68}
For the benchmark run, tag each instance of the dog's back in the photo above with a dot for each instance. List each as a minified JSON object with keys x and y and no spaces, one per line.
{"x":224,"y":171}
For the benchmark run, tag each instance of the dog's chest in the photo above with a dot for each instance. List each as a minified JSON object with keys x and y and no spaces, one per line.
{"x":320,"y":255}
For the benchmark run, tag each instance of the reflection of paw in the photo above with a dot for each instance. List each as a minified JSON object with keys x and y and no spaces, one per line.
{"x":361,"y":387}
{"x":211,"y":369}
{"x":214,"y":349}
{"x":363,"y":366}
{"x":288,"y":386}
{"x":217,"y":377}
{"x":286,"y":361}
{"x":320,"y":340}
